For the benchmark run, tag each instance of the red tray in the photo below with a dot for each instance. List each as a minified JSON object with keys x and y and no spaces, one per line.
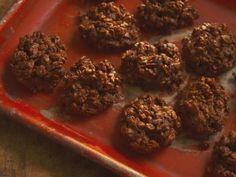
{"x":96,"y":137}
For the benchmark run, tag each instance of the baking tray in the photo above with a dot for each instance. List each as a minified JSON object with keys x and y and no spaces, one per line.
{"x":97,"y":137}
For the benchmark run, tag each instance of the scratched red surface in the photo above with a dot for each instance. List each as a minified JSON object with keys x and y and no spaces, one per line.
{"x":95,"y":137}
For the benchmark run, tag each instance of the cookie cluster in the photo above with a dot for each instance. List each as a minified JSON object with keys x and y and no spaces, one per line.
{"x":90,"y":87}
{"x":109,"y":26}
{"x":210,"y":50}
{"x":224,"y":158}
{"x":149,"y":124}
{"x":157,"y":66}
{"x":164,"y":16}
{"x":203,"y":107}
{"x":38,"y":61}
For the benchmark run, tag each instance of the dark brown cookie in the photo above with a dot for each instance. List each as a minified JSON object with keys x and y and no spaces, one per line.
{"x":108,"y":26}
{"x":210,"y":50}
{"x":90,"y":88}
{"x":149,"y":124}
{"x":38,"y":61}
{"x":202,"y":106}
{"x":164,"y":16}
{"x":224,"y":157}
{"x":155,"y":66}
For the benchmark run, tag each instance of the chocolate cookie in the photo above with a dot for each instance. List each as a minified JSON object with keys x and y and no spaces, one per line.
{"x":164,"y":16}
{"x":210,"y":50}
{"x":154,"y":66}
{"x":224,"y":157}
{"x":108,"y":26}
{"x":149,"y":124}
{"x":38,"y":61}
{"x":90,"y":88}
{"x":202,"y":106}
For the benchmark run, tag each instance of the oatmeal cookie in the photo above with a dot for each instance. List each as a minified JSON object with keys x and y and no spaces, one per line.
{"x":109,"y":26}
{"x":224,"y":157}
{"x":38,"y":61}
{"x":164,"y":16}
{"x":210,"y":50}
{"x":202,"y":106}
{"x":149,"y":124}
{"x":154,"y":66}
{"x":90,"y":87}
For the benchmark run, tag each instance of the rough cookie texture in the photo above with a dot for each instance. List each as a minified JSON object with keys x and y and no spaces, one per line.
{"x":108,"y":26}
{"x":164,"y":16}
{"x":91,"y":87}
{"x":148,"y":65}
{"x":210,"y":50}
{"x":224,"y":157}
{"x":38,"y":61}
{"x":149,"y":124}
{"x":202,"y":106}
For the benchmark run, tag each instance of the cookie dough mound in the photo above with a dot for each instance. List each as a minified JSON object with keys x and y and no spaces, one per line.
{"x":202,"y":106}
{"x":110,"y":27}
{"x":164,"y":16}
{"x":149,"y":124}
{"x":210,"y":50}
{"x":224,"y":158}
{"x":155,"y":66}
{"x":38,"y":61}
{"x":91,"y":88}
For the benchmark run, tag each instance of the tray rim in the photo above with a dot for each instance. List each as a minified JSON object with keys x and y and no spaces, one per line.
{"x":8,"y":108}
{"x":79,"y":144}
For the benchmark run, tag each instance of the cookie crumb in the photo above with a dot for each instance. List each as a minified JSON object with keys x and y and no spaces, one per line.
{"x":203,"y":146}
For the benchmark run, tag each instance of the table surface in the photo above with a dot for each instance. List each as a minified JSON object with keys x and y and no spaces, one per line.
{"x":25,"y":153}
